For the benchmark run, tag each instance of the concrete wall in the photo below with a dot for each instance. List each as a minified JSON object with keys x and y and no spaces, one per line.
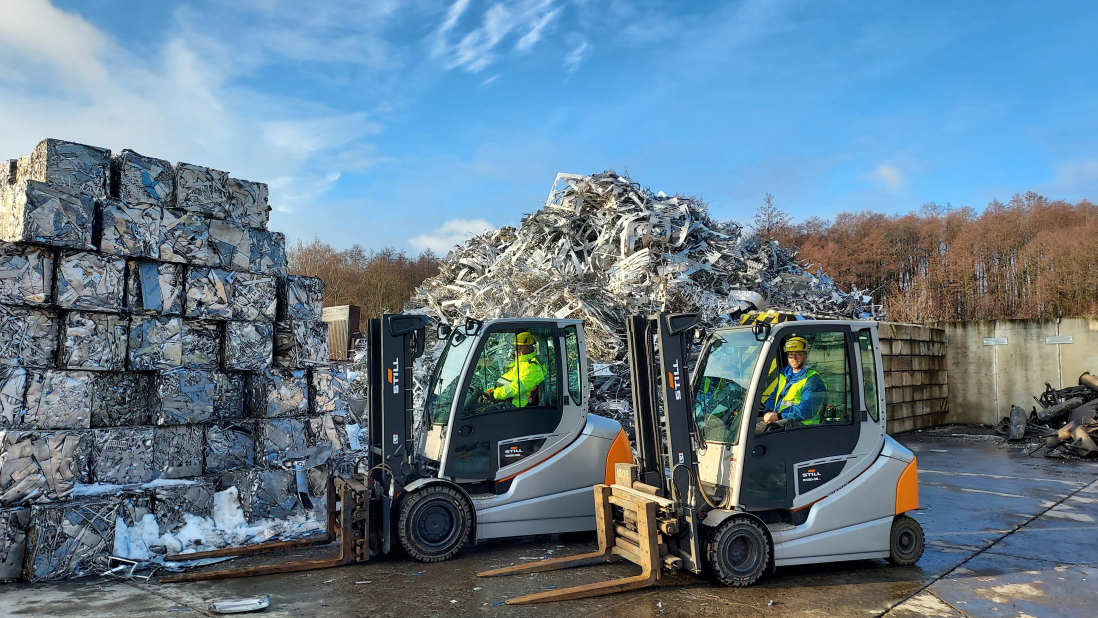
{"x":916,"y":384}
{"x":985,"y":380}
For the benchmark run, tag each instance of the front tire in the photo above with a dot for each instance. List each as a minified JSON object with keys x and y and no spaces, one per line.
{"x":738,"y":552}
{"x":905,"y":544}
{"x":434,"y":523}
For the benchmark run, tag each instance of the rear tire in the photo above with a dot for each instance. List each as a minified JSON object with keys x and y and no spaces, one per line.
{"x":434,"y":523}
{"x":738,"y":552}
{"x":905,"y":544}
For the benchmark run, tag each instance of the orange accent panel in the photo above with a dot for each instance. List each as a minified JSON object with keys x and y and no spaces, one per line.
{"x":390,"y":376}
{"x":620,"y":452}
{"x":907,"y":489}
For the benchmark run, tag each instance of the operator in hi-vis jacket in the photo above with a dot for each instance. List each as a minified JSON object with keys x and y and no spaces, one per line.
{"x":522,"y":377}
{"x":798,"y":392}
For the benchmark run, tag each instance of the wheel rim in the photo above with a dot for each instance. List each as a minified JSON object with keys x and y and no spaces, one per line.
{"x":905,"y":542}
{"x":742,"y":553}
{"x":435,"y":524}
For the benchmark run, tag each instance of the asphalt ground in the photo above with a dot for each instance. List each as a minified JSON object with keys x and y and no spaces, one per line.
{"x":1007,"y":536}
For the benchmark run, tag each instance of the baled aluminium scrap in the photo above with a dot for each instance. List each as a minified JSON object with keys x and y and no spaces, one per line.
{"x":80,"y":168}
{"x":13,"y":542}
{"x":57,"y":399}
{"x":264,"y":493}
{"x":142,"y":181}
{"x":154,"y":288}
{"x":26,"y":275}
{"x":229,"y":445}
{"x":230,"y":245}
{"x":70,"y":540}
{"x":275,"y":393}
{"x":122,"y":455}
{"x":177,"y":451}
{"x":121,"y":399}
{"x":201,"y":190}
{"x":333,"y":428}
{"x":209,"y":294}
{"x":94,"y":341}
{"x":248,"y":203}
{"x":28,"y":337}
{"x":171,"y":501}
{"x":46,"y":214}
{"x":268,"y":252}
{"x":127,"y":231}
{"x":184,"y":237}
{"x":328,"y":389}
{"x":90,"y":281}
{"x":278,"y":440}
{"x":301,"y":343}
{"x":39,"y":467}
{"x":300,"y":298}
{"x":13,"y":388}
{"x":254,"y":297}
{"x":229,"y":395}
{"x":249,"y":346}
{"x":201,"y":344}
{"x":183,"y":396}
{"x":155,"y":343}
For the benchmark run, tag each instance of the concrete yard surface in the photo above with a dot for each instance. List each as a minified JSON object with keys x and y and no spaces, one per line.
{"x":1007,"y":536}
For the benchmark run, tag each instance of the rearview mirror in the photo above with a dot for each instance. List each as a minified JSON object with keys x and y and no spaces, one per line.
{"x":444,"y":331}
{"x":761,"y":330}
{"x":472,"y":326}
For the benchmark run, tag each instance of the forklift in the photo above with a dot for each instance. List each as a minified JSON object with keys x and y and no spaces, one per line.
{"x":487,"y":463}
{"x":740,"y":470}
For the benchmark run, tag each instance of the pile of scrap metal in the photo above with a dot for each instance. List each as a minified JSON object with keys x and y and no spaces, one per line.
{"x":604,"y":248}
{"x":1066,"y":423}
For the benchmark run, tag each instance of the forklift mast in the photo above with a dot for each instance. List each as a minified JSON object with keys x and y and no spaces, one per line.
{"x":395,"y":341}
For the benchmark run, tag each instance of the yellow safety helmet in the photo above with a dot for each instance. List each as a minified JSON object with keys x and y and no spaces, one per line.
{"x":796,"y":344}
{"x":524,"y":339}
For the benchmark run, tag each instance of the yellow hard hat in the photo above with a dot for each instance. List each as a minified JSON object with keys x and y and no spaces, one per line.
{"x":796,"y":344}
{"x":524,"y":339}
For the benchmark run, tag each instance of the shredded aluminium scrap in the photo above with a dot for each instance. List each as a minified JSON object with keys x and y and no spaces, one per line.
{"x":28,"y":337}
{"x":155,"y":343}
{"x":268,"y":252}
{"x":300,"y":298}
{"x":301,"y":343}
{"x":264,"y":493}
{"x":128,"y":231}
{"x":122,"y":455}
{"x":80,"y":168}
{"x":26,"y":275}
{"x":230,"y":246}
{"x":248,"y":346}
{"x":38,"y":467}
{"x":184,"y":237}
{"x":13,"y":542}
{"x":70,"y":540}
{"x":183,"y":396}
{"x":89,"y":280}
{"x":58,"y":399}
{"x":275,"y":393}
{"x":328,"y":388}
{"x":254,"y":297}
{"x":172,"y":501}
{"x":94,"y":341}
{"x":48,"y":214}
{"x":248,"y":202}
{"x":201,"y":190}
{"x":13,"y":387}
{"x":121,"y":399}
{"x":177,"y":451}
{"x":142,"y":181}
{"x":201,"y":341}
{"x":154,"y":287}
{"x":229,"y":445}
{"x":209,"y":293}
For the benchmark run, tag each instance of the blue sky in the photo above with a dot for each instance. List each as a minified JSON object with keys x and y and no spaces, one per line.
{"x":411,"y":124}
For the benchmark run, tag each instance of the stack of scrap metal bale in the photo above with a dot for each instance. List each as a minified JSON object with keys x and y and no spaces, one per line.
{"x":1066,"y":423}
{"x":153,"y":351}
{"x":604,"y":248}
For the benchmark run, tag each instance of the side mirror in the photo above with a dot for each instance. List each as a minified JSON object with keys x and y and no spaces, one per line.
{"x":472,"y":326}
{"x":699,"y":335}
{"x":761,"y":330}
{"x":444,"y":331}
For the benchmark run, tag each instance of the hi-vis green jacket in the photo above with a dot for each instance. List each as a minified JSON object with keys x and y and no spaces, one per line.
{"x":522,"y":376}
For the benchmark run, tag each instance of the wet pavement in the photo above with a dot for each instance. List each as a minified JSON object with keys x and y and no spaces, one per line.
{"x":1007,"y":536}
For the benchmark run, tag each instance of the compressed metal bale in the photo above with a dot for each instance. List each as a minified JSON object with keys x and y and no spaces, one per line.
{"x":92,"y":281}
{"x":154,"y":288}
{"x":28,"y":337}
{"x":264,"y":493}
{"x":230,"y":245}
{"x":182,"y":396}
{"x":26,"y":275}
{"x":209,"y":293}
{"x":184,"y":237}
{"x":248,"y":202}
{"x":276,"y":393}
{"x":155,"y":343}
{"x":229,"y":395}
{"x":13,"y":542}
{"x":336,"y":429}
{"x":70,"y":540}
{"x":177,"y":451}
{"x":121,"y":399}
{"x":201,"y":190}
{"x":249,"y":346}
{"x":94,"y":341}
{"x":229,"y":445}
{"x":38,"y":467}
{"x":122,"y":455}
{"x":328,"y":388}
{"x":13,"y":389}
{"x":171,"y":502}
{"x":142,"y":181}
{"x":255,"y":297}
{"x":279,"y":439}
{"x":201,"y":344}
{"x":301,"y":343}
{"x":268,"y":253}
{"x":78,"y":167}
{"x":57,"y":399}
{"x":300,"y":298}
{"x":50,"y":215}
{"x":127,"y":231}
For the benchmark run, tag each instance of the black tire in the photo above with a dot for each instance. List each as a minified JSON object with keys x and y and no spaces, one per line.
{"x":434,"y":523}
{"x":738,"y":552}
{"x":905,"y":544}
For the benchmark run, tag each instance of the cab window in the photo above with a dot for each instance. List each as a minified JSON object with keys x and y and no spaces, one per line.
{"x":869,"y":373}
{"x":517,"y":369}
{"x":721,"y":383}
{"x":571,"y":343}
{"x":811,"y":386}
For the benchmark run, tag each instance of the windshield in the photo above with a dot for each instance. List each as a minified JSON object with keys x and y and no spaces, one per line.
{"x":447,"y":375}
{"x":722,"y":381}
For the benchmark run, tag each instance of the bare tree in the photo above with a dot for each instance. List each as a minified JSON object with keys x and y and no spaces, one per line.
{"x":770,"y":222}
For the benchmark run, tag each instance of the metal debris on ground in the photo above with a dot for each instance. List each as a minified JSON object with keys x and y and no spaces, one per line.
{"x":230,"y":245}
{"x":122,"y":455}
{"x":95,"y":341}
{"x":37,"y":467}
{"x":171,"y":501}
{"x":121,"y":399}
{"x":154,"y":288}
{"x":278,"y":440}
{"x":264,"y":493}
{"x":268,"y":252}
{"x":275,"y":393}
{"x":57,"y":399}
{"x":229,"y":445}
{"x":249,"y":346}
{"x":13,"y":388}
{"x":92,"y":281}
{"x":128,"y":231}
{"x":201,"y":342}
{"x":13,"y":542}
{"x":300,"y":298}
{"x":183,"y":396}
{"x":201,"y":190}
{"x":81,"y":168}
{"x":155,"y":343}
{"x":50,"y":215}
{"x":239,"y":606}
{"x":254,"y":297}
{"x":70,"y":540}
{"x":28,"y":337}
{"x":1066,"y":421}
{"x":301,"y":343}
{"x":209,"y":293}
{"x":142,"y":181}
{"x":184,"y":237}
{"x":177,"y":451}
{"x":26,"y":275}
{"x":248,"y":203}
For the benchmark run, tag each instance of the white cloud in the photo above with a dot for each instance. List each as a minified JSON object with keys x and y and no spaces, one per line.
{"x":477,"y":49}
{"x":528,"y":40}
{"x":453,"y":232}
{"x":576,"y":57}
{"x":892,"y":176}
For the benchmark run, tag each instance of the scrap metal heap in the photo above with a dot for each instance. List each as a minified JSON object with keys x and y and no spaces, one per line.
{"x":1065,"y":424}
{"x":604,"y":248}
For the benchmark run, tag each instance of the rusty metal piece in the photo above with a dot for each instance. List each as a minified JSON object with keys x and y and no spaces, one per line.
{"x":1059,"y":409}
{"x":1089,"y":381}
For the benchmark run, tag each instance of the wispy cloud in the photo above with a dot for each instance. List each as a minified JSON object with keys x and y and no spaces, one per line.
{"x":576,"y":56}
{"x":479,"y":47}
{"x":891,"y":175}
{"x":451,"y":233}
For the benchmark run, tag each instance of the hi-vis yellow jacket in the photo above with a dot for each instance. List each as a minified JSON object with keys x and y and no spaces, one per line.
{"x":522,"y":376}
{"x":796,"y":396}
